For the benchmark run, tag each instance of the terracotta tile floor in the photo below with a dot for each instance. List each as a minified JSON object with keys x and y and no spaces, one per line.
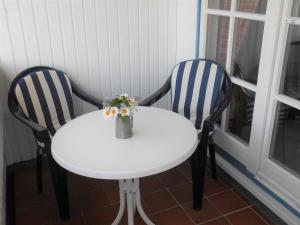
{"x":166,"y":198}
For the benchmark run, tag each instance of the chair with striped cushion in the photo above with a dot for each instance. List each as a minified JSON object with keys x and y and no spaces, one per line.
{"x":41,"y":98}
{"x":200,"y":90}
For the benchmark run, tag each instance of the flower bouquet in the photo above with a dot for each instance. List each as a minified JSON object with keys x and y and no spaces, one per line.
{"x":121,"y":108}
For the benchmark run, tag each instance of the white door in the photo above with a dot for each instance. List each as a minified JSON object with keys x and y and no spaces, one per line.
{"x":280,"y":165}
{"x":242,"y":36}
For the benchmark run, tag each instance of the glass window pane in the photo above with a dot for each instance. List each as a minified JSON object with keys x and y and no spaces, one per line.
{"x":217,"y":38}
{"x":290,"y":83}
{"x":285,"y":145}
{"x":241,"y":112}
{"x":296,"y":8}
{"x":247,"y":48}
{"x":252,"y":6}
{"x":219,"y":4}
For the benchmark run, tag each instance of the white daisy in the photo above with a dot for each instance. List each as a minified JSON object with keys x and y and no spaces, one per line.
{"x":114,"y":112}
{"x":125,"y":111}
{"x":107,"y":113}
{"x":132,"y":102}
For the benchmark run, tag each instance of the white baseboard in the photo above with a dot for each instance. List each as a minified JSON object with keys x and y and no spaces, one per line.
{"x":264,"y":197}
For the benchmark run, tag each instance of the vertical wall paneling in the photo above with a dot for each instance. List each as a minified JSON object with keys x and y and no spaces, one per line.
{"x":68,"y":39}
{"x":172,"y":40}
{"x":30,"y":32}
{"x":153,"y":44}
{"x":123,"y":15}
{"x":81,"y":44}
{"x":55,"y":31}
{"x":8,"y":63}
{"x":92,"y":46}
{"x":13,"y":59}
{"x":43,"y":34}
{"x":144,"y":40}
{"x":16,"y":35}
{"x":105,"y":46}
{"x":114,"y":45}
{"x":186,"y":32}
{"x":163,"y":14}
{"x":134,"y":43}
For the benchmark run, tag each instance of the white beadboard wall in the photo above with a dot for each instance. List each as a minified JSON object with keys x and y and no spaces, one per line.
{"x":107,"y":47}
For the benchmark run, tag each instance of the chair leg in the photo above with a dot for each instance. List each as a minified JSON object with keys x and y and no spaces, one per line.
{"x":212,"y":157}
{"x":39,"y":170}
{"x":59,"y":179}
{"x":198,"y":163}
{"x":10,"y":197}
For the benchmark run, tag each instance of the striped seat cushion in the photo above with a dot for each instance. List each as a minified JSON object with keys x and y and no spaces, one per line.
{"x":196,"y":87}
{"x":45,"y":97}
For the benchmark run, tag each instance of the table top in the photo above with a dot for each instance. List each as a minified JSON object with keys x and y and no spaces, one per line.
{"x":161,"y":140}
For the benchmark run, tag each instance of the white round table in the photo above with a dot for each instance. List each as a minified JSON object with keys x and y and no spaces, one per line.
{"x":161,"y":140}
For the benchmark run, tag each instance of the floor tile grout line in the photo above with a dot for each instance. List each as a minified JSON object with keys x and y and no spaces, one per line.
{"x":164,"y":188}
{"x":220,"y":192}
{"x":218,"y":211}
{"x":181,"y":206}
{"x":211,"y":195}
{"x":153,"y":192}
{"x":175,"y":185}
{"x":261,"y":217}
{"x":210,"y":220}
{"x":228,"y":220}
{"x":162,"y":210}
{"x":182,"y":173}
{"x":236,"y":211}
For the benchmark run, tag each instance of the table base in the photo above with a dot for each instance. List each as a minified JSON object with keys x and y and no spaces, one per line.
{"x":130,"y":189}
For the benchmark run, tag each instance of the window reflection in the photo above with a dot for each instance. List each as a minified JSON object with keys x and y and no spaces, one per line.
{"x":247,"y":48}
{"x":217,"y":38}
{"x":241,"y":113}
{"x":290,"y":84}
{"x":219,"y":4}
{"x":252,"y":6}
{"x":285,"y":146}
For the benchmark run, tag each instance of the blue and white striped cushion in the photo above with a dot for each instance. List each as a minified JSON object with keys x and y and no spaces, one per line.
{"x":196,"y":86}
{"x":45,"y":97}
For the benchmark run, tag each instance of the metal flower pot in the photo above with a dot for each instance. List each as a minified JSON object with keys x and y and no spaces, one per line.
{"x":124,"y":127}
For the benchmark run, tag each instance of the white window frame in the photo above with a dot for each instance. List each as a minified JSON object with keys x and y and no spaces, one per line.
{"x":281,"y":180}
{"x":249,"y":154}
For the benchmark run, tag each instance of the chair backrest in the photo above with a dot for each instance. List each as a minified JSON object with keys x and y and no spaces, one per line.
{"x":45,"y":96}
{"x":196,"y":86}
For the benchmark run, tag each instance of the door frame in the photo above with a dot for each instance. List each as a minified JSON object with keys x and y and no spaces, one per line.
{"x":280,"y":179}
{"x":250,"y":154}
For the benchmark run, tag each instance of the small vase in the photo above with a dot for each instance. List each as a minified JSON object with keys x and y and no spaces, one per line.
{"x":124,"y":127}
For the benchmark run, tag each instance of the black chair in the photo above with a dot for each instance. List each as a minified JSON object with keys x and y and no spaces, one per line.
{"x":201,"y":89}
{"x":41,"y":98}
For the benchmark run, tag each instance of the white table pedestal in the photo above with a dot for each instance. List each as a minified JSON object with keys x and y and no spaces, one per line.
{"x":130,"y":189}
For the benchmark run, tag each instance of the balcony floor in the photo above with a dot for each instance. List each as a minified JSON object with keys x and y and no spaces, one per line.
{"x":166,"y":198}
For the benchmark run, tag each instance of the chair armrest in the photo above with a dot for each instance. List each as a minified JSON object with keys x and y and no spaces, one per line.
{"x":36,"y":127}
{"x":158,"y":94}
{"x":85,"y":97}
